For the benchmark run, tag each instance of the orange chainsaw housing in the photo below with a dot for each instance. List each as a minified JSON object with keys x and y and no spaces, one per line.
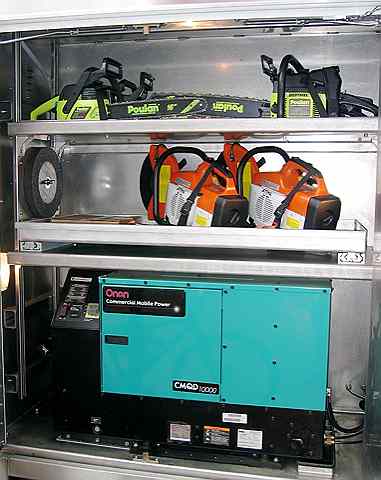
{"x":215,"y":186}
{"x":313,"y":201}
{"x":287,"y":178}
{"x":154,"y":153}
{"x":233,"y":153}
{"x":217,"y":202}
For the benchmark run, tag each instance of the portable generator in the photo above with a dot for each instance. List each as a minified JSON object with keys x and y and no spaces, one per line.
{"x":206,"y":196}
{"x":190,"y":369}
{"x":296,"y":197}
{"x":299,"y":92}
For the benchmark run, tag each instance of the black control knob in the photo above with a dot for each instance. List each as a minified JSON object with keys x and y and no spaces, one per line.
{"x":297,"y":443}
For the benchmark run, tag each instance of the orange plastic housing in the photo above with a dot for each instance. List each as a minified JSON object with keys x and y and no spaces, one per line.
{"x":154,"y":153}
{"x":233,"y":153}
{"x":284,"y":181}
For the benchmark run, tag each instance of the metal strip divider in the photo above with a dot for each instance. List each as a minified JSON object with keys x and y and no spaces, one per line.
{"x":19,"y":273}
{"x":3,"y":423}
{"x":20,"y":322}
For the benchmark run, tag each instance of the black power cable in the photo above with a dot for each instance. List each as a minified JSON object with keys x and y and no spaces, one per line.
{"x":339,"y":427}
{"x":354,"y":442}
{"x":348,"y":388}
{"x":351,"y":435}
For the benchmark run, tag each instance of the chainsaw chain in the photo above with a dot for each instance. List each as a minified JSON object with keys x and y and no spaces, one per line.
{"x":164,"y":95}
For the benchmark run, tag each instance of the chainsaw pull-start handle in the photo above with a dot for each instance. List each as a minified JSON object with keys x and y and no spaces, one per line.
{"x":251,"y":153}
{"x":156,"y":174}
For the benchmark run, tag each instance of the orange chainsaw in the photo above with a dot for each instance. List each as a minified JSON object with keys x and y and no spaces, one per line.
{"x":295,"y":197}
{"x":205,"y":196}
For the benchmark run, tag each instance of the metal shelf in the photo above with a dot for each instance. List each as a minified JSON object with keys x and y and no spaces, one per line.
{"x":32,"y":452}
{"x":203,"y":126}
{"x":349,"y":237}
{"x":194,"y":261}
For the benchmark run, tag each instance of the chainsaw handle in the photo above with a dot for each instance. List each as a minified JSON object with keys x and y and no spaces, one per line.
{"x":283,"y":67}
{"x":251,"y":153}
{"x":310,"y":172}
{"x":45,"y":107}
{"x":139,"y":92}
{"x":308,"y":167}
{"x":220,"y":165}
{"x":112,"y":68}
{"x":84,"y":79}
{"x":362,"y":103}
{"x":156,"y":175}
{"x":268,"y":67}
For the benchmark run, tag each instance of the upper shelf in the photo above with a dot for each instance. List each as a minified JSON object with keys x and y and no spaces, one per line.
{"x":203,"y":126}
{"x":21,"y":16}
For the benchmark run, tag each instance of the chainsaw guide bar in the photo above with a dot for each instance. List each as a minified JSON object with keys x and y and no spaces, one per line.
{"x":191,"y":105}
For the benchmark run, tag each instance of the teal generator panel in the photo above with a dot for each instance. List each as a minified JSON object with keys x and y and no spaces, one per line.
{"x":164,"y":352}
{"x":275,"y":341}
{"x":230,"y":342}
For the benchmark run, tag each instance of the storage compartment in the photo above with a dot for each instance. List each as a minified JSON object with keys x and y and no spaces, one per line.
{"x":301,"y":313}
{"x":286,"y":340}
{"x":101,"y":161}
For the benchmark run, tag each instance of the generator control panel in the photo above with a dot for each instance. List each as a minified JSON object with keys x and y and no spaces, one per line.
{"x":79,"y":305}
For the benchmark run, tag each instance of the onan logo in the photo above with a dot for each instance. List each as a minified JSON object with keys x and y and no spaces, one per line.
{"x":111,"y":293}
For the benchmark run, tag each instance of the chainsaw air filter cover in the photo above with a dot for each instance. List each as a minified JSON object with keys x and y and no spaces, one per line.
{"x":42,"y":181}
